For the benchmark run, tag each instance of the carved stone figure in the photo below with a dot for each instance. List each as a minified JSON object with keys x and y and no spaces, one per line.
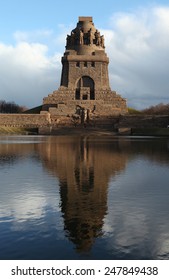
{"x":97,"y":37}
{"x":90,"y":37}
{"x":102,"y":41}
{"x":68,"y":41}
{"x":81,"y":41}
{"x":72,"y":38}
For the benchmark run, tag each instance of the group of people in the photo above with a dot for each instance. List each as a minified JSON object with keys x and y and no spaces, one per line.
{"x":89,"y":38}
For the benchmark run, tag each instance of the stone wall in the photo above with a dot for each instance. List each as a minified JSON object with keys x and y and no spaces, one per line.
{"x":98,"y":72}
{"x":143,"y":121}
{"x":106,"y":103}
{"x":51,"y":121}
{"x":24,"y":120}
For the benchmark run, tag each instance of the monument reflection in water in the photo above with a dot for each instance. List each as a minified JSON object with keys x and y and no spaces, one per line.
{"x":84,"y":168}
{"x":84,"y":197}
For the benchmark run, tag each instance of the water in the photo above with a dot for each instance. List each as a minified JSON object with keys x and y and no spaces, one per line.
{"x":84,"y":197}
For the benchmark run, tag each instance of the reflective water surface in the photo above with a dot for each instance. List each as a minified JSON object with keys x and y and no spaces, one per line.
{"x":71,"y":197}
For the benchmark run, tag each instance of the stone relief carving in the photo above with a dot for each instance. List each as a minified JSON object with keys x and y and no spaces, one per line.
{"x":80,"y":38}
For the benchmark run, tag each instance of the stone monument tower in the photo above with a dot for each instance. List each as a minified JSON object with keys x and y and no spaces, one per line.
{"x":84,"y":83}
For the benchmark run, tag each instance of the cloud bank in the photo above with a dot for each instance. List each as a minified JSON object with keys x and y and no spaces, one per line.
{"x":27,"y":73}
{"x":138,"y":48}
{"x":137,"y":44}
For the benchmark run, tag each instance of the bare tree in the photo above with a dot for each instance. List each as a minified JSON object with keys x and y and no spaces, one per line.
{"x":159,"y":109}
{"x":10,"y":107}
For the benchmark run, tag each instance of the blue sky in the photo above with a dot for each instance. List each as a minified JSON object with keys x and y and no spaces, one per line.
{"x":32,"y":41}
{"x":29,"y":15}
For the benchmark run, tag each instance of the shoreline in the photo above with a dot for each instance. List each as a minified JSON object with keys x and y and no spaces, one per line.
{"x":80,"y":131}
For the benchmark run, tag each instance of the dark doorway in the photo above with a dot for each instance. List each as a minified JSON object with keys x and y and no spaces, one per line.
{"x":85,"y":81}
{"x":77,"y":97}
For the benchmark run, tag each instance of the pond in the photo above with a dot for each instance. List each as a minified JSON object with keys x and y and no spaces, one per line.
{"x":84,"y":197}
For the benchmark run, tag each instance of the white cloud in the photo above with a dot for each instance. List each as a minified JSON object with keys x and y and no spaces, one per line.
{"x":35,"y":35}
{"x":27,"y":73}
{"x":138,"y":48}
{"x":136,"y":43}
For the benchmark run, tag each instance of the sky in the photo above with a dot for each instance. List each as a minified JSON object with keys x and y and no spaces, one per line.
{"x":33,"y":36}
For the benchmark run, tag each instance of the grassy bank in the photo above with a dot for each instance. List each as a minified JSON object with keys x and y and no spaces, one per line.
{"x":16,"y":130}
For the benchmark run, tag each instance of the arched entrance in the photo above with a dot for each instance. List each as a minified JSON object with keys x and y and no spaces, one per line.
{"x":85,"y":88}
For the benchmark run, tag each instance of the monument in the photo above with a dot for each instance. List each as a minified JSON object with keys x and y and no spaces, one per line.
{"x":84,"y":89}
{"x":84,"y":96}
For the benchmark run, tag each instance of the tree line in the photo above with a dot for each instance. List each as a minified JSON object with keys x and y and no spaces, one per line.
{"x":10,"y":107}
{"x":159,"y":109}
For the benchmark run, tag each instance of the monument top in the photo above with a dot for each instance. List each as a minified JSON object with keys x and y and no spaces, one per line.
{"x":85,"y":39}
{"x":85,"y":19}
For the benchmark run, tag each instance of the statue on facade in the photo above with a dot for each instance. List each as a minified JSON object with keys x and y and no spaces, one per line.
{"x":102,"y":41}
{"x":68,"y":41}
{"x":72,"y":38}
{"x":81,"y":40}
{"x":90,"y":37}
{"x":97,"y":38}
